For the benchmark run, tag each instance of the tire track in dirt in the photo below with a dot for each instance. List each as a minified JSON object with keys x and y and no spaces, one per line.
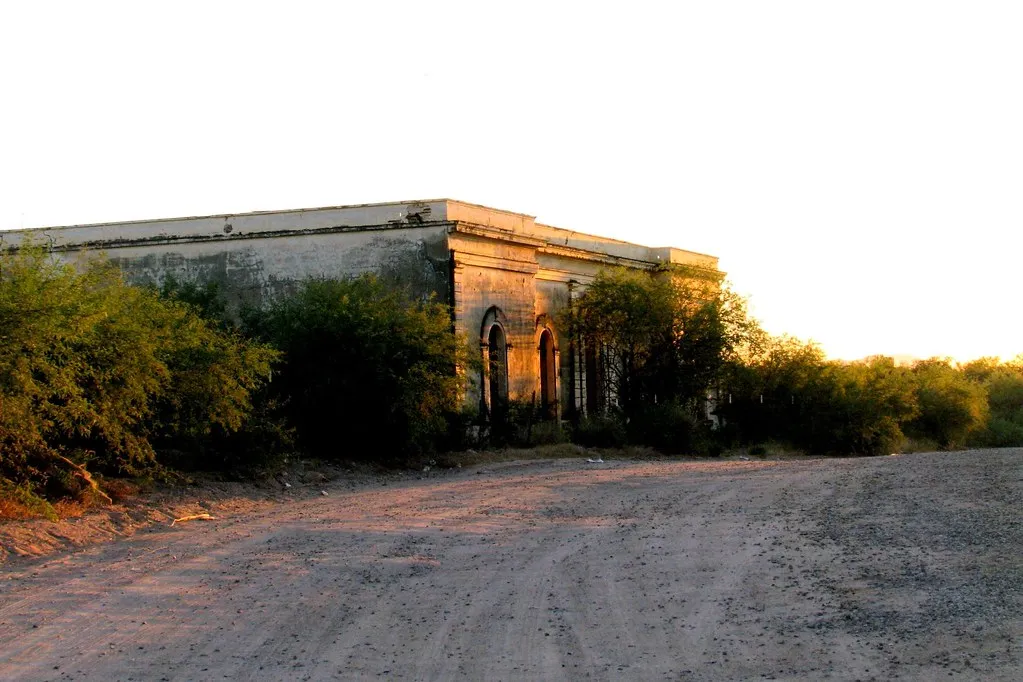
{"x":551,"y":570}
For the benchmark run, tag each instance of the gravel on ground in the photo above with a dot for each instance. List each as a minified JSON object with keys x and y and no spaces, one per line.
{"x":907,"y":567}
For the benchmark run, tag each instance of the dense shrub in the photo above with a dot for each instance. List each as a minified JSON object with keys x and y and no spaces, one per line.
{"x":547,"y":432}
{"x":1003,"y":383}
{"x":601,"y":431}
{"x":999,"y":432}
{"x":369,"y":372}
{"x":791,"y":393}
{"x":952,"y":407}
{"x":522,"y":424}
{"x":206,"y":299}
{"x":665,"y":336}
{"x":770,"y":394}
{"x":667,"y":427}
{"x":858,"y":408}
{"x":95,"y":371}
{"x":263,"y":440}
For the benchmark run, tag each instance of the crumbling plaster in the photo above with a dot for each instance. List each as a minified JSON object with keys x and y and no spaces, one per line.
{"x":473,"y":257}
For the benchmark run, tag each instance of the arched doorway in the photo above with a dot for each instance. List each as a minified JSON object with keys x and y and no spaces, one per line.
{"x":497,"y":361}
{"x":548,"y":376}
{"x":494,"y":382}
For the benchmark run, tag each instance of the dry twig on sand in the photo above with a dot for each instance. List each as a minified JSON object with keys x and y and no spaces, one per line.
{"x":195,"y":517}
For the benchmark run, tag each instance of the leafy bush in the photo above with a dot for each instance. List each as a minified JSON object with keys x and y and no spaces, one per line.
{"x":1003,"y":383}
{"x":791,"y":393}
{"x":600,"y":431}
{"x":21,"y":502}
{"x":774,"y":393}
{"x":263,"y":442}
{"x":858,"y":408}
{"x":951,"y":406}
{"x":667,"y":427}
{"x":667,"y":335}
{"x":523,"y":424}
{"x":999,"y":433}
{"x":96,"y":371}
{"x":547,"y":432}
{"x":369,"y":372}
{"x":206,"y":299}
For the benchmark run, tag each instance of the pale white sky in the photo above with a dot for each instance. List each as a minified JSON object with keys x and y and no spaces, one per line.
{"x":857,"y":166}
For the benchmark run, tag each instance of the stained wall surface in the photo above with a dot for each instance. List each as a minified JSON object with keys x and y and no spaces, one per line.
{"x":491,"y":266}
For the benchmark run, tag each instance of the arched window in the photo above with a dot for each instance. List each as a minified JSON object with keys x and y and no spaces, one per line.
{"x":548,"y":376}
{"x":494,"y":382}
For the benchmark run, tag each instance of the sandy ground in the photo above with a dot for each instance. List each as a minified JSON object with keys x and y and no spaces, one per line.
{"x":905,"y":567}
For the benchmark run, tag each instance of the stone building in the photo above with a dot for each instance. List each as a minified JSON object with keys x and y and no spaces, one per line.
{"x":505,"y":276}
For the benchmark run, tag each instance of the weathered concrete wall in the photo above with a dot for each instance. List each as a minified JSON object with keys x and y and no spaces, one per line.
{"x":477,"y":258}
{"x":485,"y":282}
{"x":254,"y":267}
{"x":256,"y":256}
{"x":258,"y":269}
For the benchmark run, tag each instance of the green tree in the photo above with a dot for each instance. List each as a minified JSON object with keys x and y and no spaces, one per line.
{"x":92,"y":370}
{"x":858,"y":408}
{"x":1003,"y":383}
{"x":369,"y":371}
{"x":629,"y":315}
{"x":667,"y":338}
{"x":207,"y":299}
{"x":667,"y":334}
{"x":952,"y":407}
{"x":789,"y":391}
{"x":767,"y":394}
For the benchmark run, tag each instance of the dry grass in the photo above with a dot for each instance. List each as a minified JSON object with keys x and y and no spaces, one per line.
{"x":16,"y":510}
{"x":13,"y":510}
{"x":69,"y":509}
{"x":19,"y":504}
{"x":771,"y":450}
{"x":553,"y":451}
{"x":470,"y":457}
{"x":910,"y":445}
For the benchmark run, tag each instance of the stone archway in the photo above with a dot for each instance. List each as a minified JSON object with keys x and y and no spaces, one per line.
{"x":548,"y":376}
{"x":494,"y":382}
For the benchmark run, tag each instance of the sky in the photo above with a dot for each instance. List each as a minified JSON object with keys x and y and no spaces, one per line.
{"x":856,"y":166}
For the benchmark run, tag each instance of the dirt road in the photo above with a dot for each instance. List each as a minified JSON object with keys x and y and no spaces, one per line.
{"x":908,"y":567}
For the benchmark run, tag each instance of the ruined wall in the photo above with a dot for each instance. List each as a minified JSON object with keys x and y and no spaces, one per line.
{"x":262,"y":268}
{"x":477,"y":258}
{"x":478,"y":289}
{"x":252,"y":268}
{"x":256,"y":256}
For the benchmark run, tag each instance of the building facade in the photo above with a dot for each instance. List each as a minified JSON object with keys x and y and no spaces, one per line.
{"x":506,"y":277}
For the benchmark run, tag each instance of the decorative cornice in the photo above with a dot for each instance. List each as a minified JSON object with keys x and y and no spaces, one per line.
{"x":595,"y":256}
{"x":494,"y":263}
{"x":496,"y":233}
